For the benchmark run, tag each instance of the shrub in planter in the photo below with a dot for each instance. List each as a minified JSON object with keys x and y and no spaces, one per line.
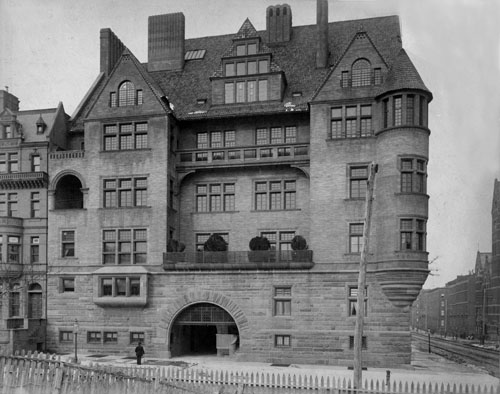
{"x":299,"y":244}
{"x":258,"y":245}
{"x":215,"y":243}
{"x":175,"y":246}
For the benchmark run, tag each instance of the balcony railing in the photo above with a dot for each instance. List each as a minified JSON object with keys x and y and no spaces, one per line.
{"x":67,"y":155}
{"x":24,"y":180}
{"x":253,"y":155}
{"x":238,"y":260}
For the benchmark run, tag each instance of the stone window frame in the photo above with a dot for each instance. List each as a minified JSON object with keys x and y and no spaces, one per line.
{"x":67,"y":242}
{"x":204,"y":198}
{"x":355,"y":237}
{"x":117,"y":137}
{"x":352,"y":300}
{"x":111,"y":195}
{"x":282,"y":301}
{"x":119,"y":242}
{"x":35,"y":249}
{"x":66,"y":336}
{"x":94,"y":336}
{"x":260,"y":89}
{"x":110,"y":337}
{"x":364,"y":342}
{"x":65,"y":284}
{"x":201,"y":237}
{"x":120,"y":272}
{"x":412,"y":234}
{"x":413,"y":174}
{"x":357,"y":182}
{"x":270,"y":198}
{"x":136,"y":337}
{"x":282,"y":340}
{"x":363,"y":121}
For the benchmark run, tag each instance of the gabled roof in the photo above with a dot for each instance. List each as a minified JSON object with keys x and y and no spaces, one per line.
{"x":402,"y":75}
{"x":246,"y":30}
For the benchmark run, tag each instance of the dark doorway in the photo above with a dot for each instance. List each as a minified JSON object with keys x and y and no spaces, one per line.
{"x":203,"y":340}
{"x":69,"y":193}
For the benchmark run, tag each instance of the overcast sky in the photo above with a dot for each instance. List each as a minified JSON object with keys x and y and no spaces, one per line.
{"x":49,"y":52}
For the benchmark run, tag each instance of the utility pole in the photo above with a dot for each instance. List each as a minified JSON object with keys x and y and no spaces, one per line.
{"x":360,"y":312}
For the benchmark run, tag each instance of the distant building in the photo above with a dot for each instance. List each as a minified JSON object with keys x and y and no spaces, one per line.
{"x":493,"y":292}
{"x":253,"y":133}
{"x":26,"y":137}
{"x":429,"y":311}
{"x":460,"y":306}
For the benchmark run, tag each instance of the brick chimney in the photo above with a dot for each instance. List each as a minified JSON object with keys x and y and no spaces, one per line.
{"x":8,"y":100}
{"x":278,"y":23}
{"x":111,"y":50}
{"x":322,"y":43}
{"x":166,"y":42}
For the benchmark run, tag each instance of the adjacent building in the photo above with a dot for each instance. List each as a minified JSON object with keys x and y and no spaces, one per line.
{"x":253,"y":133}
{"x":26,"y":138}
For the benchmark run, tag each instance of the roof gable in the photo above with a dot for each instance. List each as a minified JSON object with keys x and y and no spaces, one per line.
{"x":247,"y":30}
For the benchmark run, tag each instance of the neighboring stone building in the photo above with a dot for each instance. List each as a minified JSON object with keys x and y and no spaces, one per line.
{"x":429,"y":311}
{"x":255,"y":133}
{"x":460,"y":306}
{"x":26,"y":137}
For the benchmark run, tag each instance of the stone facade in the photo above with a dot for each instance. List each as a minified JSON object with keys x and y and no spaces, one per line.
{"x":240,"y":139}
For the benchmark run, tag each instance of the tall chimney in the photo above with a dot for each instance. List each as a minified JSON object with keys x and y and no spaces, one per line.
{"x":166,"y":42}
{"x":111,"y":50}
{"x":279,"y":23}
{"x":322,"y":45}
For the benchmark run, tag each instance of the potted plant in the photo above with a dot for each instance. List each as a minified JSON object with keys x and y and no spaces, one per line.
{"x":299,"y":245}
{"x":177,"y":247}
{"x":216,"y":246}
{"x":258,"y":246}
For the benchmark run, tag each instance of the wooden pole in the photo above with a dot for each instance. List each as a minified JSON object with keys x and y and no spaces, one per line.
{"x":360,"y":311}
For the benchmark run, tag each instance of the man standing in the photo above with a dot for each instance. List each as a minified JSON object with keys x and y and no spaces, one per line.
{"x":139,"y":352}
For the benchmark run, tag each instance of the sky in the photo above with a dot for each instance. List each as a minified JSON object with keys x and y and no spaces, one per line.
{"x":49,"y":53}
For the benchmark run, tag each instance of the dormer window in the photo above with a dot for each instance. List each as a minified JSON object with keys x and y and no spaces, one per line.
{"x":246,"y":67}
{"x":249,"y":48}
{"x":40,"y":125}
{"x":361,"y":74}
{"x":8,"y":131}
{"x":127,"y":96}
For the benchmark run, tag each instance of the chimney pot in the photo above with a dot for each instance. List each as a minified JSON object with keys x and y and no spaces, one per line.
{"x":322,"y":23}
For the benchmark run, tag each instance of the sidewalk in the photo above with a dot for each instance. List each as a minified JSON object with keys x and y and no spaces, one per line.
{"x":424,"y":368}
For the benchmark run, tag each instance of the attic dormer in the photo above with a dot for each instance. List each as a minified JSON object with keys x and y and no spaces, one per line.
{"x":247,"y":73}
{"x":40,"y":125}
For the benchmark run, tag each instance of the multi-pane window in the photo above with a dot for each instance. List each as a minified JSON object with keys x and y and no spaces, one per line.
{"x":126,"y":136}
{"x":397,"y":110}
{"x":385,"y":110}
{"x":246,"y":67}
{"x":410,"y":109}
{"x":352,"y":297}
{"x":361,"y":73}
{"x":352,"y":121}
{"x":344,"y":79}
{"x":14,"y":303}
{"x":35,"y":250}
{"x":110,"y":337}
{"x":282,"y":301}
{"x":201,"y":238}
{"x":125,"y":192}
{"x":279,"y":240}
{"x":377,"y":76}
{"x":113,"y":99}
{"x":13,"y":249}
{"x":275,"y":195}
{"x":136,"y":337}
{"x":276,"y":135}
{"x":413,"y":175}
{"x":358,"y":178}
{"x":9,"y":162}
{"x":282,"y":341}
{"x":412,"y":234}
{"x":8,"y":131}
{"x":35,"y":163}
{"x":120,"y":287}
{"x":127,"y":95}
{"x":216,"y":139}
{"x":246,"y":91}
{"x":215,"y":197}
{"x":363,"y":342}
{"x":94,"y":337}
{"x":355,"y":237}
{"x":68,"y":243}
{"x":65,"y":336}
{"x":124,"y":246}
{"x":8,"y":204}
{"x":35,"y":205}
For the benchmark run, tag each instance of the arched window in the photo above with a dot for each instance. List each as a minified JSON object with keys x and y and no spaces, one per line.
{"x":126,"y":94}
{"x":35,"y":310}
{"x":361,"y":73}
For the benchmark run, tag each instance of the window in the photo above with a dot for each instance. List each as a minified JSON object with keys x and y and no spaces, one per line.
{"x":385,"y":109}
{"x":422,"y":112}
{"x":344,"y":79}
{"x":282,"y":301}
{"x":136,"y":337}
{"x":110,"y":337}
{"x":201,"y":238}
{"x":353,"y":300}
{"x":282,"y":340}
{"x":35,"y":308}
{"x":377,"y":76}
{"x":358,"y":179}
{"x":35,"y":250}
{"x":13,"y":249}
{"x":279,"y":240}
{"x":127,"y":95}
{"x":1,"y":248}
{"x":361,"y":73}
{"x":9,"y":162}
{"x":67,"y":285}
{"x":413,"y":175}
{"x":35,"y":204}
{"x":397,"y":111}
{"x":94,"y":337}
{"x":410,"y":109}
{"x":8,"y":204}
{"x":246,"y":91}
{"x":412,"y":234}
{"x":126,"y":136}
{"x":113,"y":99}
{"x":275,"y":195}
{"x":120,"y":287}
{"x":215,"y":197}
{"x":246,"y":67}
{"x":124,"y":246}
{"x":352,"y":121}
{"x":125,"y":192}
{"x":363,"y":342}
{"x":65,"y":336}
{"x":355,"y":237}
{"x":14,"y":303}
{"x":8,"y":131}
{"x":68,"y":243}
{"x":35,"y":163}
{"x":216,"y":139}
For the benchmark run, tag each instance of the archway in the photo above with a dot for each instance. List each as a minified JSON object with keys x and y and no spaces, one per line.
{"x":203,"y":328}
{"x":68,"y":193}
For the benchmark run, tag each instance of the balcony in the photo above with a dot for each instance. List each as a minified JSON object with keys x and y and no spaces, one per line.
{"x":296,"y":154}
{"x":24,"y":180}
{"x":265,"y":260}
{"x":10,"y":270}
{"x":67,"y":155}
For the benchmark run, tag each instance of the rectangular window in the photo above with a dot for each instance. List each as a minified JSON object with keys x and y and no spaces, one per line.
{"x":412,"y":234}
{"x":413,"y":175}
{"x":363,"y":342}
{"x":355,"y":237}
{"x":421,"y":113}
{"x":110,"y":337}
{"x":276,"y":135}
{"x":68,"y":243}
{"x":229,"y":92}
{"x":280,"y":241}
{"x":13,"y":248}
{"x":358,"y":179}
{"x":139,"y":97}
{"x":120,"y":287}
{"x":344,"y":79}
{"x":385,"y":109}
{"x":112,"y":99}
{"x":263,"y":89}
{"x":366,"y":121}
{"x":229,"y":138}
{"x":353,"y":300}
{"x":14,"y":304}
{"x":350,"y":122}
{"x":215,"y":197}
{"x":94,"y":337}
{"x":240,"y":92}
{"x":410,"y":109}
{"x":201,"y":238}
{"x":68,"y":285}
{"x":377,"y":76}
{"x":336,"y":122}
{"x":262,"y":137}
{"x":290,"y":135}
{"x":126,"y":136}
{"x":136,"y":337}
{"x":251,"y":91}
{"x":229,"y":69}
{"x":251,"y":67}
{"x":128,"y":192}
{"x":241,"y":50}
{"x":240,"y":68}
{"x":35,"y":250}
{"x":35,"y":204}
{"x":65,"y":336}
{"x":12,"y":204}
{"x":202,"y":140}
{"x":282,"y":301}
{"x":263,"y":67}
{"x":13,"y":162}
{"x":35,"y":163}
{"x":8,"y":131}
{"x":282,"y":340}
{"x":275,"y":195}
{"x":397,"y":110}
{"x":124,"y":246}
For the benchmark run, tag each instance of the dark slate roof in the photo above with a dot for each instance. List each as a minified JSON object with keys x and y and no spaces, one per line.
{"x":296,"y":58}
{"x":402,"y":75}
{"x":246,"y":30}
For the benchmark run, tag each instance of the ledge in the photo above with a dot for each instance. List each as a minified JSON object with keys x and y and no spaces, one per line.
{"x":121,"y":301}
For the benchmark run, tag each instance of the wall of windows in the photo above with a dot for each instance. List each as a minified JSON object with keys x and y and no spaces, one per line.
{"x":125,"y":136}
{"x":125,"y":192}
{"x":246,"y":91}
{"x":124,"y":246}
{"x":412,"y":234}
{"x":413,"y":175}
{"x":215,"y":197}
{"x":275,"y":195}
{"x":351,"y":121}
{"x":127,"y":95}
{"x":215,"y":139}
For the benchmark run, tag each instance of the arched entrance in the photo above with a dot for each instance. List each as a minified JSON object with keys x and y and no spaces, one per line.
{"x":203,"y":328}
{"x":68,"y":193}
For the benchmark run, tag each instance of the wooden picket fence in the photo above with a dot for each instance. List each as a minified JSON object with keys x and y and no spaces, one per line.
{"x":46,"y":374}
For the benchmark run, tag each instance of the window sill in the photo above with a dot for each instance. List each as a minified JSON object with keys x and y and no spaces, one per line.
{"x":121,"y":301}
{"x":411,"y":194}
{"x":125,"y":150}
{"x":121,"y":208}
{"x":212,"y":212}
{"x":275,"y":210}
{"x":368,"y":137}
{"x":355,"y":199}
